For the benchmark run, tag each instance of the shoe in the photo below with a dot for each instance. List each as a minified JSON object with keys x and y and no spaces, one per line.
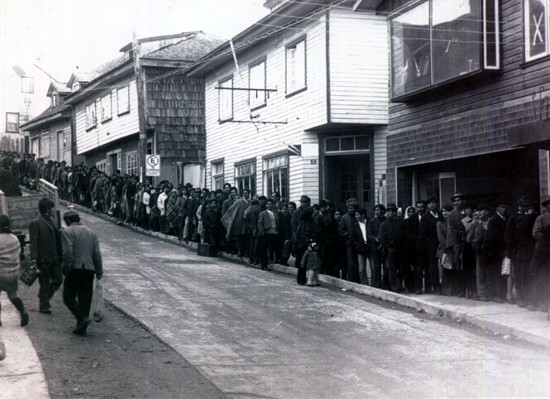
{"x":521,"y":304}
{"x":418,"y":292}
{"x":511,"y":301}
{"x":483,"y":299}
{"x":25,"y":319}
{"x":81,"y":327}
{"x":497,"y":300}
{"x":531,"y":308}
{"x":45,"y":311}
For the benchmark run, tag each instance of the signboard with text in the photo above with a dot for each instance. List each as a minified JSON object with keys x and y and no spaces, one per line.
{"x":152,"y":165}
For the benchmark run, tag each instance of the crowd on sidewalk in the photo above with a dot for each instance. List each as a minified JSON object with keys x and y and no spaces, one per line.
{"x":477,"y":251}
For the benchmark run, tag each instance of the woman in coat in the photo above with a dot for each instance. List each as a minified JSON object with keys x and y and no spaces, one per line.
{"x":10,"y":250}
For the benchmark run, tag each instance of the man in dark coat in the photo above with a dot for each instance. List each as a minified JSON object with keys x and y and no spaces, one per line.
{"x":8,"y":183}
{"x":496,"y":228}
{"x":376,"y":253}
{"x":456,"y":236}
{"x":45,"y":250}
{"x":541,"y":257}
{"x":392,"y":239}
{"x":347,"y":225}
{"x":428,"y":244}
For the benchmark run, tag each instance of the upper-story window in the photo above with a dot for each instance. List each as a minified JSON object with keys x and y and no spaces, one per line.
{"x":123,"y":100}
{"x":296,"y":66}
{"x":76,"y":86}
{"x":438,"y":41}
{"x":217,"y":174}
{"x":257,"y":75}
{"x":225,"y":95}
{"x":106,"y":113}
{"x":91,"y":119}
{"x":536,"y":31}
{"x":55,"y":100}
{"x":12,"y":122}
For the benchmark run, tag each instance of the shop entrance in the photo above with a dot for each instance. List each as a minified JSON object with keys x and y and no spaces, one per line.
{"x":348,"y":176}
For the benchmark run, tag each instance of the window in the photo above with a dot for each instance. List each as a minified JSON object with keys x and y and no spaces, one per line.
{"x":131,"y":163}
{"x":296,"y":67}
{"x":149,"y":149}
{"x":12,"y":122}
{"x":106,"y":108}
{"x":245,"y":176}
{"x":27,"y":85}
{"x":217,"y":175}
{"x":536,"y":32}
{"x":55,"y":100}
{"x":101,"y":165}
{"x":91,"y":119}
{"x":342,"y":144}
{"x":35,"y":146}
{"x":123,"y":100}
{"x":225,"y":97}
{"x":66,"y":138}
{"x":276,"y":176}
{"x":45,"y":144}
{"x":438,"y":41}
{"x":76,"y":86}
{"x":257,"y":81}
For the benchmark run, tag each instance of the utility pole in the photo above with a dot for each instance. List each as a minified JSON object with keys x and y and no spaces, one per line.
{"x":138,"y":72}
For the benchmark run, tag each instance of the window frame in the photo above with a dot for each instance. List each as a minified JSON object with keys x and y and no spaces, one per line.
{"x":527,"y":35}
{"x":118,"y":97}
{"x":55,"y":100}
{"x":10,"y":124}
{"x":252,"y":177}
{"x":214,"y":177}
{"x":488,"y":52}
{"x":222,"y":93}
{"x":261,"y":94}
{"x":91,"y":115}
{"x":45,"y":150}
{"x":134,"y":169}
{"x":290,"y":91}
{"x":284,"y":189}
{"x":105,"y":118}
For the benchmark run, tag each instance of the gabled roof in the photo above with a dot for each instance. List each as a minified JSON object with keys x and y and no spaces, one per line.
{"x":87,"y":77}
{"x":284,"y":16}
{"x":48,"y":116}
{"x":59,"y":87}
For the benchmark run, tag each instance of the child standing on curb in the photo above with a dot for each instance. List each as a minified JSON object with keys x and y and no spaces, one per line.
{"x":311,"y":263}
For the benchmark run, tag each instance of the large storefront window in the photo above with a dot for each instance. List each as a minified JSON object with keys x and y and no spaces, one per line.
{"x":438,"y":41}
{"x":276,"y":176}
{"x":245,"y":176}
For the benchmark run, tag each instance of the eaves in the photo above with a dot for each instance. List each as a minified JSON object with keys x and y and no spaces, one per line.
{"x":101,"y":82}
{"x":48,"y":120}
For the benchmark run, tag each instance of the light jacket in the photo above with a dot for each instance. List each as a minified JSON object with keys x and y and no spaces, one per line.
{"x":81,"y":249}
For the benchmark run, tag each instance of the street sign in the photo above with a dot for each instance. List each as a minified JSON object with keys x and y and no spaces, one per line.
{"x":152,"y":165}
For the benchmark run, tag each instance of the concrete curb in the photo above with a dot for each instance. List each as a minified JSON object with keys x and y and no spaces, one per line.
{"x":418,"y":303}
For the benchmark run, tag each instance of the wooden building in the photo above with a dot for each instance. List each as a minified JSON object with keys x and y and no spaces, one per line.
{"x":298,"y":103}
{"x":105,"y":109}
{"x":469,"y":89}
{"x":50,"y":132}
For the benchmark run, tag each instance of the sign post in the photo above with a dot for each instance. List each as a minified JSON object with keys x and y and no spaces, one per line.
{"x":152,"y":165}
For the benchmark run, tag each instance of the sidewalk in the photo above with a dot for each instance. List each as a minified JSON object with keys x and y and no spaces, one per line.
{"x":505,"y":319}
{"x":21,"y":374}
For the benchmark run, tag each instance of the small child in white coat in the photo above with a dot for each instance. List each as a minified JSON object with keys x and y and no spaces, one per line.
{"x":311,"y":262}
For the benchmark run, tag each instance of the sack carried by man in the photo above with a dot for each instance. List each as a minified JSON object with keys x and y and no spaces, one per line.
{"x":98,"y":303}
{"x":506,"y":266}
{"x":30,"y":274}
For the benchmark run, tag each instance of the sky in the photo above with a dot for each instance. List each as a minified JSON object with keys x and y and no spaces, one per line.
{"x":61,"y":36}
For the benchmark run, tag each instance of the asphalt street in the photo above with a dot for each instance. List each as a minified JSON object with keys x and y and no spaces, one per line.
{"x":257,"y":334}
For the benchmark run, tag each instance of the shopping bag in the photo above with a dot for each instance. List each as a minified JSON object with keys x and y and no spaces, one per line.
{"x":506,"y":266}
{"x":97,"y":308}
{"x":29,"y":275}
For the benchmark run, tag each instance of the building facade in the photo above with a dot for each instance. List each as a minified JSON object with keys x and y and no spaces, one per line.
{"x":50,"y":132}
{"x":298,"y":104}
{"x":106,"y":105}
{"x":469,"y":89}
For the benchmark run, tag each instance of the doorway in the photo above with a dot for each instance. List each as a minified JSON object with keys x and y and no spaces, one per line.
{"x":348,"y":176}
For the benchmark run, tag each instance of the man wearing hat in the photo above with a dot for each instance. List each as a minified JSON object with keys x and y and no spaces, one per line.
{"x":81,"y":261}
{"x":305,"y":203}
{"x":348,"y":224}
{"x":541,"y":257}
{"x":376,"y":253}
{"x":392,"y":238}
{"x":456,"y":235}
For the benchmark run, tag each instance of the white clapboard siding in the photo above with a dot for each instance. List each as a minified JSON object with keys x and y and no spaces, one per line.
{"x":235,"y":142}
{"x":111,"y":130}
{"x":359,"y":52}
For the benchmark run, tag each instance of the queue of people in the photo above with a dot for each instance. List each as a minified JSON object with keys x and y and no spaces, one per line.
{"x":463,"y":249}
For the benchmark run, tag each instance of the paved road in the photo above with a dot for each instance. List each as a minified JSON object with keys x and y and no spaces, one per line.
{"x":256,"y":334}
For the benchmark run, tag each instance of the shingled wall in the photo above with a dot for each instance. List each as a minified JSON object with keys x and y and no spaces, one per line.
{"x":175,"y":111}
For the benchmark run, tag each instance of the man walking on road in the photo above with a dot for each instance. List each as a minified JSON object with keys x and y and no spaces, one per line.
{"x":81,"y":260}
{"x":45,"y":250}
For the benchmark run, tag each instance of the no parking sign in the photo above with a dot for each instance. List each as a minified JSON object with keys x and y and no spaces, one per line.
{"x":152,"y":165}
